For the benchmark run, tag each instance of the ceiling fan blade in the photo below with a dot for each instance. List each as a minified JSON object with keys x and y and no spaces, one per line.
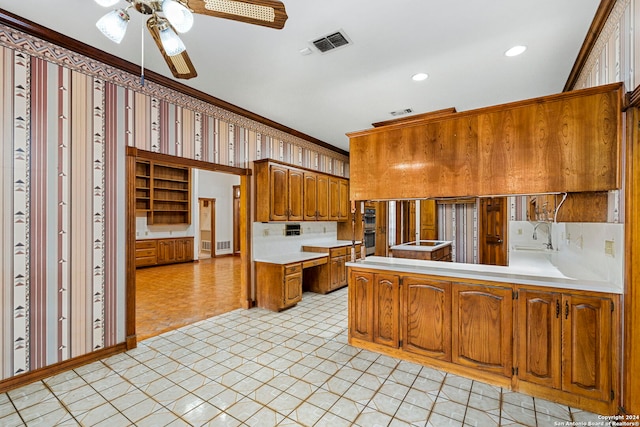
{"x":268,"y":13}
{"x":180,"y":65}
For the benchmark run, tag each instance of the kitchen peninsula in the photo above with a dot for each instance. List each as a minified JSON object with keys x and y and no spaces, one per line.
{"x":542,"y":325}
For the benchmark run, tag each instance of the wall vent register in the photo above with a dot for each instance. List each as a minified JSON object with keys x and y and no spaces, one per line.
{"x":292,"y":230}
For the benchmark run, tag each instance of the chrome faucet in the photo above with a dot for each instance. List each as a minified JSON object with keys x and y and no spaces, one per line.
{"x":548,"y":245}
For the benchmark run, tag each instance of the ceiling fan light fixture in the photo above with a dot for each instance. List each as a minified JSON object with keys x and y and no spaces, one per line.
{"x":170,"y":41}
{"x":114,"y":25}
{"x":178,"y":15}
{"x":107,"y":3}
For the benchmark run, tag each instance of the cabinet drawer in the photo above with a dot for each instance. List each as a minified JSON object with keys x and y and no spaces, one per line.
{"x":314,"y":262}
{"x":145,"y":244}
{"x":143,"y":253}
{"x":339,"y":252}
{"x":292,"y":269}
{"x":144,"y":261}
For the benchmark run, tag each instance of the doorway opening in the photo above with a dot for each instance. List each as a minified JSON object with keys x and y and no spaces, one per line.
{"x":207,"y":211}
{"x":208,"y":278}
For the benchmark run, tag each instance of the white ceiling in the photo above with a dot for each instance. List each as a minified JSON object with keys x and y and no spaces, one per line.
{"x":460,"y":44}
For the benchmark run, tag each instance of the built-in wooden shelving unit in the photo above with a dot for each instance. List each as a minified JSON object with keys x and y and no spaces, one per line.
{"x":163,"y":192}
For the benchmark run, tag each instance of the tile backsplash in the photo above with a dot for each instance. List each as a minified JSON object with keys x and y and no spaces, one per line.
{"x":269,"y":238}
{"x":596,"y":247}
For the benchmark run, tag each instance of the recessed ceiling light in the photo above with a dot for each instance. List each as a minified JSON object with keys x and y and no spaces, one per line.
{"x":515,"y":51}
{"x":420,"y":77}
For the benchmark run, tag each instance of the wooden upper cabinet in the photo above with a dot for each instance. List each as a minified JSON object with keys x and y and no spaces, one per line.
{"x":482,"y":321}
{"x":538,"y":337}
{"x":334,"y":198}
{"x":322,"y":200}
{"x":286,"y":193}
{"x":279,"y":193}
{"x":310,"y":196}
{"x":568,"y":142}
{"x":343,"y":203}
{"x":426,"y":317}
{"x":296,"y":188}
{"x":587,"y":339}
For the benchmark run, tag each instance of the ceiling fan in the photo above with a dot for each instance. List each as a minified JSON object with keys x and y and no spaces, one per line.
{"x":170,"y":16}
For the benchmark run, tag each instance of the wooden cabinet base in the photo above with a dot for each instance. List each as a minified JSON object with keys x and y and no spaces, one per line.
{"x":489,"y":378}
{"x":152,"y":252}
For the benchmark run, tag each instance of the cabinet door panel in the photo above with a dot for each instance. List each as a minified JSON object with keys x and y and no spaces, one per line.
{"x":586,"y":341}
{"x":166,"y":251}
{"x":292,"y":288}
{"x":322,"y":199}
{"x":279,"y":182}
{"x":386,"y":309}
{"x":310,"y":196}
{"x":482,"y":328}
{"x":296,"y":184}
{"x":343,"y":204}
{"x":427,"y":317}
{"x":334,"y":199}
{"x":538,"y":337}
{"x":360,"y":305}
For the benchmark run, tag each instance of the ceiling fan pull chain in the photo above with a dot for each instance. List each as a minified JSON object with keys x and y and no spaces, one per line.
{"x":142,"y":59}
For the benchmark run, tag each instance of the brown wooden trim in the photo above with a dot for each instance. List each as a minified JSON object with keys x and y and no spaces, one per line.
{"x":42,"y":373}
{"x":501,"y":107}
{"x":415,"y":117}
{"x":293,"y":166}
{"x":631,"y":355}
{"x":36,"y":30}
{"x":246,"y":296}
{"x":130,"y":251}
{"x":597,"y":25}
{"x":182,"y":161}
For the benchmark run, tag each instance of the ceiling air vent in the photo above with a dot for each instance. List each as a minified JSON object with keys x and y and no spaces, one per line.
{"x":401,"y":112}
{"x":332,"y":41}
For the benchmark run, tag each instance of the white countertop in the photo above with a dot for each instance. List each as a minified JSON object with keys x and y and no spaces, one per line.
{"x":288,"y":258}
{"x":331,"y":244}
{"x":525,"y":269}
{"x":411,"y":246}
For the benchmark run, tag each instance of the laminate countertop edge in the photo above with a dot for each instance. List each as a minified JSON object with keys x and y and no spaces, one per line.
{"x":546,"y":276}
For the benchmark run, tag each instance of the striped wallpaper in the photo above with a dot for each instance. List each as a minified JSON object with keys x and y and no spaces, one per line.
{"x":65,"y":122}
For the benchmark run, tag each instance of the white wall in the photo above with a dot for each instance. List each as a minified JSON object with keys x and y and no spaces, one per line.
{"x":270,"y":239}
{"x":205,"y":184}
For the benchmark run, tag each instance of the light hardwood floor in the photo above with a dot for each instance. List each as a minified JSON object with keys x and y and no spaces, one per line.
{"x":171,"y":296}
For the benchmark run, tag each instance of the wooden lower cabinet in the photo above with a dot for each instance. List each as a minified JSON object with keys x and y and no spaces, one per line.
{"x":426,"y":317}
{"x":551,"y":343}
{"x":278,"y":286}
{"x":565,"y":342}
{"x":538,"y":337}
{"x":482,"y":328}
{"x":338,"y":257}
{"x":151,"y":252}
{"x":361,"y":305}
{"x":386,"y":309}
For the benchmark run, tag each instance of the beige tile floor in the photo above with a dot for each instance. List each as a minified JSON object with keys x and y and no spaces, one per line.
{"x":258,"y":368}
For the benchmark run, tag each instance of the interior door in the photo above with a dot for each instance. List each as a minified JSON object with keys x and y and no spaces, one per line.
{"x":493,"y":231}
{"x":428,"y":220}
